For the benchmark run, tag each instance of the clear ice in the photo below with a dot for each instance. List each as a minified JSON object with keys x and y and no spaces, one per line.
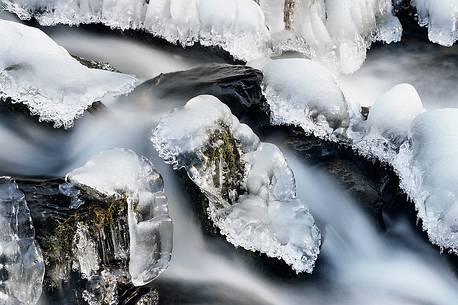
{"x":121,"y":173}
{"x":21,"y":262}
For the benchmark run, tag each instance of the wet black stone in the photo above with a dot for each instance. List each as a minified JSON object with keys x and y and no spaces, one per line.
{"x":237,"y":86}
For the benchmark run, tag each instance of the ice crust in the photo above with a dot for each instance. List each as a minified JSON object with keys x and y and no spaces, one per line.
{"x":419,"y":145}
{"x":262,"y":213}
{"x":21,"y":265}
{"x":240,"y":29}
{"x":120,"y":173}
{"x":37,"y":72}
{"x":433,"y":178}
{"x":336,"y":32}
{"x":303,"y":93}
{"x":441,"y":18}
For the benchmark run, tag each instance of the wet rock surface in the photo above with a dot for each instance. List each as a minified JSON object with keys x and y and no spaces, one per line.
{"x":239,"y":87}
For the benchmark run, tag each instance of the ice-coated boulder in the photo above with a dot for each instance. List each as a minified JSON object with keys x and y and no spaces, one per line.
{"x":32,"y":73}
{"x":441,"y":18}
{"x":249,"y":186}
{"x":120,"y":173}
{"x":21,"y":263}
{"x":303,"y":93}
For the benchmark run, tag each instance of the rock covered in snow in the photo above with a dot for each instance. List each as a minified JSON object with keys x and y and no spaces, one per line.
{"x":121,"y":173}
{"x":32,"y":72}
{"x":303,"y":93}
{"x":21,"y":265}
{"x":441,"y":18}
{"x":249,"y":186}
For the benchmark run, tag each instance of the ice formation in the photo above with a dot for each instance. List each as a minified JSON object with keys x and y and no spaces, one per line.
{"x":441,"y":18}
{"x":21,"y":263}
{"x":393,"y":113}
{"x":337,"y":32}
{"x":431,"y":180}
{"x":418,"y":144}
{"x":121,"y":173}
{"x":303,"y":93}
{"x":388,"y":123}
{"x":240,"y":30}
{"x":250,"y":188}
{"x":37,"y":72}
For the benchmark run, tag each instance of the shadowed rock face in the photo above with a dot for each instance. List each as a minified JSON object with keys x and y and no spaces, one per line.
{"x":237,"y":86}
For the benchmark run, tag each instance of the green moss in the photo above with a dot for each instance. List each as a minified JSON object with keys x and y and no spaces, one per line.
{"x":58,"y":246}
{"x":223,"y":154}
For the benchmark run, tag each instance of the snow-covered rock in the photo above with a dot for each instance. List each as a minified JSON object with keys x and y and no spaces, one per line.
{"x":441,"y":18}
{"x":21,"y":264}
{"x":37,"y":72}
{"x":250,"y":188}
{"x":303,"y":93}
{"x":121,"y":173}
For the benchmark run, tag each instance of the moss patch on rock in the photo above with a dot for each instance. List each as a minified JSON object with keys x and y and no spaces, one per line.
{"x":222,"y":154}
{"x":104,"y":219}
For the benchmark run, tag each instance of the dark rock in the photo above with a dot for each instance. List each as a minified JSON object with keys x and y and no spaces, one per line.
{"x":237,"y":86}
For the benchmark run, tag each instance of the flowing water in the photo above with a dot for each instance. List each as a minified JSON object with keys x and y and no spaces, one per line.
{"x":359,"y":264}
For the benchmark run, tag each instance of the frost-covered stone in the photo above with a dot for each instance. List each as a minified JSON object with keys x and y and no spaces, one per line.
{"x":335,"y":32}
{"x":32,"y":73}
{"x":303,"y":93}
{"x":21,"y":263}
{"x":441,"y":18}
{"x":249,"y":186}
{"x":240,"y":30}
{"x":121,"y":173}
